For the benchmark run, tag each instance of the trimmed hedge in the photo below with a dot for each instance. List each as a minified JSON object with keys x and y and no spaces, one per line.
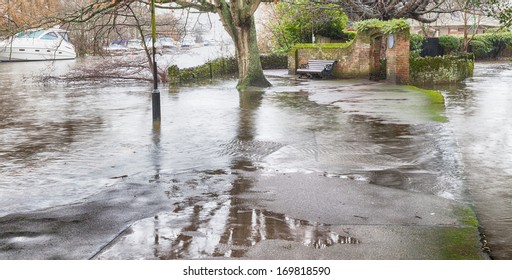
{"x":440,"y":69}
{"x":483,"y":46}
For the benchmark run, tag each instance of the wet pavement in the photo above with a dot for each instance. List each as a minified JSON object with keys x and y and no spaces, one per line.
{"x":306,"y":169}
{"x":480,"y":111}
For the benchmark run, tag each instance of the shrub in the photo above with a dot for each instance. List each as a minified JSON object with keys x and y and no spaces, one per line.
{"x":450,"y":44}
{"x":416,"y":42}
{"x":480,"y":48}
{"x":486,"y":46}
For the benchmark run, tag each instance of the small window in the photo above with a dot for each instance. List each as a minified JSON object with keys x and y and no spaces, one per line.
{"x":50,"y":36}
{"x":29,"y":34}
{"x":22,"y":50}
{"x":37,"y":50}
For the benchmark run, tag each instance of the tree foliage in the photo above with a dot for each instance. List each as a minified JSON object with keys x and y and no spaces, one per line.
{"x":502,"y":10}
{"x":297,"y":22}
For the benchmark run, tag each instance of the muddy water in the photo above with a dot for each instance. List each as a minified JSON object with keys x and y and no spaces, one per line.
{"x":63,"y":144}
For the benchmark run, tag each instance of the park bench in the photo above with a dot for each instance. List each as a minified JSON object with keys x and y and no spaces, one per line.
{"x":321,"y":68}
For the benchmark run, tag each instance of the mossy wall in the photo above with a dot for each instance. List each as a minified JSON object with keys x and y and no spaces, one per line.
{"x":221,"y":67}
{"x":440,"y":69}
{"x":213,"y":69}
{"x":274,"y":61}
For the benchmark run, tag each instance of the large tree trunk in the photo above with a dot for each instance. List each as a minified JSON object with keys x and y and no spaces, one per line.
{"x":250,"y":72}
{"x":238,"y":20}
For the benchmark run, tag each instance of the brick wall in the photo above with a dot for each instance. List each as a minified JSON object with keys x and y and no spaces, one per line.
{"x":360,"y":59}
{"x":353,"y":61}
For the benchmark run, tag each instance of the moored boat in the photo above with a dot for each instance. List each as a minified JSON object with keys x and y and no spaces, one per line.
{"x":37,"y":45}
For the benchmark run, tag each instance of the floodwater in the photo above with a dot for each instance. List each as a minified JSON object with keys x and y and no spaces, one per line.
{"x":480,"y":111}
{"x":65,"y":144}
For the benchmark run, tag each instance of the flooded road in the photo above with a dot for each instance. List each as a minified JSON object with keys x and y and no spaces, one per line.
{"x":480,"y":111}
{"x":205,"y":184}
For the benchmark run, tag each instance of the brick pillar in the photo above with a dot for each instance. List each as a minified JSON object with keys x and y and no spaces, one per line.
{"x":397,"y":58}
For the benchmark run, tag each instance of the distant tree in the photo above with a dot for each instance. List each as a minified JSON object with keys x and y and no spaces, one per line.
{"x":471,"y":12}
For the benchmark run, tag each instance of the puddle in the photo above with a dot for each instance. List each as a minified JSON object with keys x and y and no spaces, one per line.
{"x":209,"y":230}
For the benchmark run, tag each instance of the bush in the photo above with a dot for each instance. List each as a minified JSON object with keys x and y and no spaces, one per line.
{"x":416,"y":42}
{"x":450,"y":44}
{"x":487,"y":46}
{"x":481,"y":48}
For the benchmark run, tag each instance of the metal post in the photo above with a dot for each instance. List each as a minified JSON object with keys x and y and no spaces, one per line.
{"x":156,"y":93}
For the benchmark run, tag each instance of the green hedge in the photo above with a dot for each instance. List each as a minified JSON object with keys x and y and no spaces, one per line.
{"x":450,"y":44}
{"x":440,"y":69}
{"x":486,"y":46}
{"x":221,"y":67}
{"x":274,"y":61}
{"x":483,"y":46}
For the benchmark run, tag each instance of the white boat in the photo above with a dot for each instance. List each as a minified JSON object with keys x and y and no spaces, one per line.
{"x":34,"y":45}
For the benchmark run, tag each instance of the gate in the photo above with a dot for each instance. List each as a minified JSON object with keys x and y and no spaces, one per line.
{"x":431,"y":47}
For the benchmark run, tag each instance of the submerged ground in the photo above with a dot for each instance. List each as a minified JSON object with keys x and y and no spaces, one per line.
{"x":307,"y":169}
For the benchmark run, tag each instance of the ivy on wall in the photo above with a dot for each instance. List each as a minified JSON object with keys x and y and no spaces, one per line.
{"x":386,"y":27}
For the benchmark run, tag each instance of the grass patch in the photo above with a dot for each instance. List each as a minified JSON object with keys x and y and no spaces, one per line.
{"x":467,"y":217}
{"x":436,"y":100}
{"x":434,"y":96}
{"x":460,"y":243}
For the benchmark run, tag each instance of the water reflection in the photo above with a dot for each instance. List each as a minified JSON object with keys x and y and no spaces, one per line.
{"x":216,"y":230}
{"x":217,"y":225}
{"x":156,"y":151}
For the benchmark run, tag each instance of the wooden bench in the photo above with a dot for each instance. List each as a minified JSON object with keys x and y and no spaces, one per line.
{"x":321,"y":68}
